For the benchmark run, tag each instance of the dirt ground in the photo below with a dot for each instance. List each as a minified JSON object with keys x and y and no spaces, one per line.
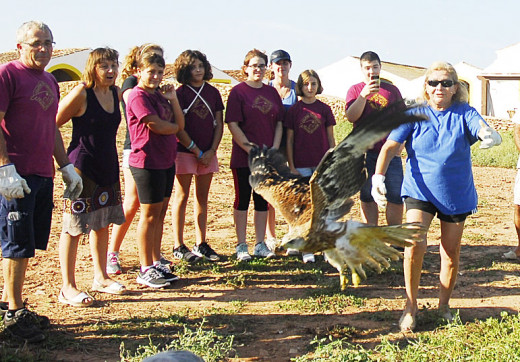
{"x":487,"y":285}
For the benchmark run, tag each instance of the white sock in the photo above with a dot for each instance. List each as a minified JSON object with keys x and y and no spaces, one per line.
{"x":145,"y":268}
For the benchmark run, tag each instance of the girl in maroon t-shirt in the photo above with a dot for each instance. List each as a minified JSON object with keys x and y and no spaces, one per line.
{"x":254,"y":115}
{"x":197,"y":145}
{"x":310,"y":133}
{"x":310,"y":126}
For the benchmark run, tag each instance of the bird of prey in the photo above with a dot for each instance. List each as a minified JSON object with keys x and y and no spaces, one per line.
{"x":313,"y":210}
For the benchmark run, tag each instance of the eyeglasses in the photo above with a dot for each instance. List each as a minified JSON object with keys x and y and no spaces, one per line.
{"x":257,"y":66}
{"x":39,"y":44}
{"x":445,"y":83}
{"x":106,"y":67}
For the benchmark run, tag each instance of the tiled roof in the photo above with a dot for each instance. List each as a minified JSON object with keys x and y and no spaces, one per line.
{"x":13,"y":54}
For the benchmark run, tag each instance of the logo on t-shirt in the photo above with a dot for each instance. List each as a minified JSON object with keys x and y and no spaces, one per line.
{"x":200,"y":109}
{"x":262,"y":104}
{"x":378,"y":102}
{"x":310,"y":123}
{"x":44,"y":95}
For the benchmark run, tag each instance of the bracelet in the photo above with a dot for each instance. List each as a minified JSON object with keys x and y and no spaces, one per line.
{"x":200,"y":154}
{"x":191,"y":146}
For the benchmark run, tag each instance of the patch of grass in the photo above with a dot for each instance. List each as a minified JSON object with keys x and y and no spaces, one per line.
{"x":490,"y":340}
{"x":381,"y":316}
{"x":207,"y":344}
{"x":314,"y":275}
{"x":236,"y":306}
{"x":504,"y":155}
{"x":322,"y":303}
{"x":235,"y":281}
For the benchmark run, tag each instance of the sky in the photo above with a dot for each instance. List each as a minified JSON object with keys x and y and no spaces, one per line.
{"x":315,"y":33}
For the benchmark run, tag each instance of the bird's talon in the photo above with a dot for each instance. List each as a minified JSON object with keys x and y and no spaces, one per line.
{"x":343,"y":281}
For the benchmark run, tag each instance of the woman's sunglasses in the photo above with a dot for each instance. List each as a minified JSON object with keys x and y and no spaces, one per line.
{"x":445,"y":83}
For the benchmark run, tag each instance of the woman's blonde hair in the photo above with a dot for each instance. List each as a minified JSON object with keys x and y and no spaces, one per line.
{"x":94,"y":58}
{"x":461,"y":95}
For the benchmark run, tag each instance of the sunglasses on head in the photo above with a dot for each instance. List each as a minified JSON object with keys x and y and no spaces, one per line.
{"x":445,"y":83}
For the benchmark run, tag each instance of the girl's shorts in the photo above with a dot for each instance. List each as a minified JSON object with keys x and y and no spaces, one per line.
{"x":188,"y":163}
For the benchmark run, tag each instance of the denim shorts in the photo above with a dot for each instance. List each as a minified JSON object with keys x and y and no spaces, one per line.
{"x":393,"y":179}
{"x":25,"y":223}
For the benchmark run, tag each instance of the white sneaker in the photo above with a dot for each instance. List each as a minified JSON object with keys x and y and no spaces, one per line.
{"x":262,"y":251}
{"x":271,"y":243}
{"x":242,"y":252}
{"x":292,"y":252}
{"x":308,"y":258}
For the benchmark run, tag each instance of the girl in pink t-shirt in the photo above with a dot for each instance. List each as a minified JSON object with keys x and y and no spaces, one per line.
{"x":197,"y":156}
{"x":154,"y":116}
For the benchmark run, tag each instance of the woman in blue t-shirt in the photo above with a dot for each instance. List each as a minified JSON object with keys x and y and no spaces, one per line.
{"x":438,"y":178}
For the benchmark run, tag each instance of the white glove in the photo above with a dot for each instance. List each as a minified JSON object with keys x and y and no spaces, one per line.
{"x":379,"y":189}
{"x":488,"y":136}
{"x":73,"y":182}
{"x":12,"y":185}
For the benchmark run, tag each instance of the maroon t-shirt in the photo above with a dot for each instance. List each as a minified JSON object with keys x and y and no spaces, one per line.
{"x":199,"y":120}
{"x":309,"y":123}
{"x":149,"y":150}
{"x":388,"y":94}
{"x":29,"y":98}
{"x":257,"y":112}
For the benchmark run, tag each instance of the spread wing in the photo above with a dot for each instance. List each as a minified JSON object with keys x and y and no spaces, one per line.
{"x":341,"y":172}
{"x":271,"y":178}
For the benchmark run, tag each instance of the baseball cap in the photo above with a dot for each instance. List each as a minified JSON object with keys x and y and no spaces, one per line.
{"x":278,"y":55}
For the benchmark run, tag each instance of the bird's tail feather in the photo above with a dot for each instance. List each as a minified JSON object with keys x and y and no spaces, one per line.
{"x":371,"y":242}
{"x":397,"y":235}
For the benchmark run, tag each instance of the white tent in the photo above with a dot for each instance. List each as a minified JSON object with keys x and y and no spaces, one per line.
{"x":338,"y":77}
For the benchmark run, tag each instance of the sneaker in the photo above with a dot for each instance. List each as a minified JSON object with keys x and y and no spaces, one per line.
{"x":164,"y":261}
{"x":271,"y":243}
{"x":242,"y":252}
{"x":42,"y":321}
{"x":113,"y":264}
{"x":166,"y":272}
{"x":292,"y":252}
{"x":262,"y":251}
{"x":308,"y":258}
{"x":22,"y":325}
{"x":205,"y":251}
{"x":183,"y":253}
{"x":152,"y":278}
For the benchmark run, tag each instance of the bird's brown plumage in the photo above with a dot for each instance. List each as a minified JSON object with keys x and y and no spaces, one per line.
{"x":312,"y":211}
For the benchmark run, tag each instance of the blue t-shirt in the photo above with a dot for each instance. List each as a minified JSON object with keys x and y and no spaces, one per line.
{"x":438,"y":167}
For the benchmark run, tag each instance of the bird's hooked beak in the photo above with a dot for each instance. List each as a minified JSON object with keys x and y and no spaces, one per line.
{"x":291,"y":243}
